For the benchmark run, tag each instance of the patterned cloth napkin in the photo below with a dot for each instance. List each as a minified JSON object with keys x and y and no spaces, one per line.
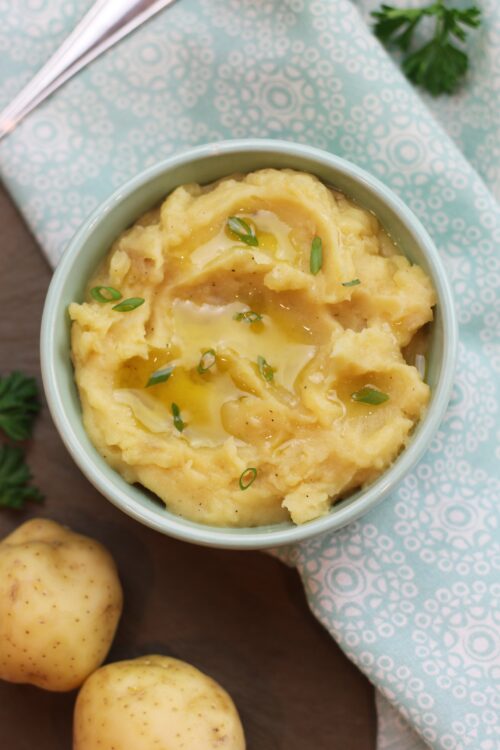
{"x":411,"y":592}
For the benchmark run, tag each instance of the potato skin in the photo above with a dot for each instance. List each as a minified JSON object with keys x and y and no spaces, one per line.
{"x":60,"y":602}
{"x":155,"y":702}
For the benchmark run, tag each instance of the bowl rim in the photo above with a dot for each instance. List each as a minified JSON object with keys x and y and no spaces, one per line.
{"x":258,"y":537}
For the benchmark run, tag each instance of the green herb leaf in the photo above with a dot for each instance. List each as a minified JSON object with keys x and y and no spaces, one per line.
{"x":104,"y":294}
{"x":248,"y":477}
{"x":176,"y":413}
{"x":129,"y":304}
{"x":439,"y":65}
{"x":14,"y":479}
{"x":249,"y":316}
{"x":390,"y":20}
{"x":19,"y":405}
{"x":207,"y":361}
{"x":368,"y":395}
{"x":265,"y":369}
{"x":243,"y":231}
{"x":354,"y":282}
{"x":160,"y":376}
{"x":316,"y":257}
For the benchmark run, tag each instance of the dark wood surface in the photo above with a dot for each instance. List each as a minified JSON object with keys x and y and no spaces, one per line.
{"x":241,"y":617}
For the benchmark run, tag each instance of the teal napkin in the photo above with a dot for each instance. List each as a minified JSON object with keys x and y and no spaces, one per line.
{"x":411,"y":592}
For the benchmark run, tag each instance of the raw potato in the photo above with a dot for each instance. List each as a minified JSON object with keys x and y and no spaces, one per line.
{"x":155,"y":702}
{"x":60,"y":602}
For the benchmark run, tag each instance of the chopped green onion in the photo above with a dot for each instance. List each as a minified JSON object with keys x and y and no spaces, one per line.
{"x":243,"y":231}
{"x":248,"y":477}
{"x":176,"y":413}
{"x":354,"y":282}
{"x":112,"y":294}
{"x":207,"y":361}
{"x":160,"y":376}
{"x":316,"y":259}
{"x":265,"y":369}
{"x":368,"y":395}
{"x":249,"y":316}
{"x":129,"y":304}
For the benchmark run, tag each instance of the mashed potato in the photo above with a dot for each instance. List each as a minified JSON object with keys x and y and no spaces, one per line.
{"x":240,"y":352}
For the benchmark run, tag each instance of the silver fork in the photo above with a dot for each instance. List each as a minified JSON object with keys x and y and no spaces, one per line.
{"x":104,"y":24}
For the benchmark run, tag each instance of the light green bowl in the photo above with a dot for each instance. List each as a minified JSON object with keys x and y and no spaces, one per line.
{"x":206,"y":164}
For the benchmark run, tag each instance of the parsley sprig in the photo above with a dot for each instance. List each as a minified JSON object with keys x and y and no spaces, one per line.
{"x":440,"y":65}
{"x":19,"y":405}
{"x":15,"y":477}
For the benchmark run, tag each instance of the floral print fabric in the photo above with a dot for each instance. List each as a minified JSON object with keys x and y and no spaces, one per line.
{"x":411,"y":591}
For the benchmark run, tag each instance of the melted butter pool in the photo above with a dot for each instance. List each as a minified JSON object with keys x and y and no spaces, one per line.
{"x":285,"y":346}
{"x":200,"y":398}
{"x":275,"y":237}
{"x":202,"y":327}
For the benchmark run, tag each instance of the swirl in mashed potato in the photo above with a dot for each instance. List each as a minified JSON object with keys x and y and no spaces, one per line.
{"x":252,"y":386}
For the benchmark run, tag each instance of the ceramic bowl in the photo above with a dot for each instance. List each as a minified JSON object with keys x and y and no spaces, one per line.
{"x":204,"y":165}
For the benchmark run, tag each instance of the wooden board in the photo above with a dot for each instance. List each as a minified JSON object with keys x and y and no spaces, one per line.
{"x":240,"y":616}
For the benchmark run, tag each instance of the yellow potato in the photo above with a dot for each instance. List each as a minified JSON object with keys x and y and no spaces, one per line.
{"x":60,"y":602}
{"x":155,"y":702}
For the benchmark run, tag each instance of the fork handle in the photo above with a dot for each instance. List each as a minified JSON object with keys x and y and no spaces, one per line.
{"x":105,"y":23}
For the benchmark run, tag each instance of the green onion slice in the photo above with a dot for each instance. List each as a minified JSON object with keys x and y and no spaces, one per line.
{"x":368,"y":395}
{"x":207,"y":361}
{"x":265,"y":369}
{"x":104,"y":294}
{"x":248,"y":477}
{"x":354,"y":282}
{"x":129,"y":304}
{"x":160,"y":376}
{"x":249,"y":316}
{"x":243,"y":231}
{"x":316,"y":258}
{"x":176,"y":413}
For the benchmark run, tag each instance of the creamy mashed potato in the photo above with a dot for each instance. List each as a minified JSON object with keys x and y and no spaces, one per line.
{"x":259,"y":373}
